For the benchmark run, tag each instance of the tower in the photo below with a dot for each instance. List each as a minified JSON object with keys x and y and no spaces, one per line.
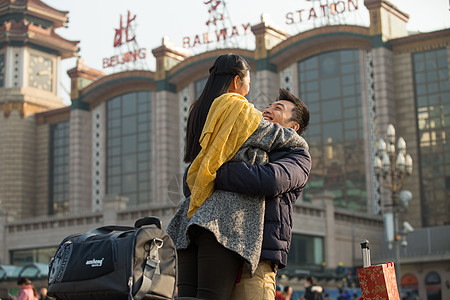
{"x":30,"y":55}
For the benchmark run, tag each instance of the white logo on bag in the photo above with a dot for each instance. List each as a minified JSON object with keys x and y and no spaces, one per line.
{"x":95,"y":262}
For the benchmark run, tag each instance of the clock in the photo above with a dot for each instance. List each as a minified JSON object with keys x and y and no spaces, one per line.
{"x":40,"y":70}
{"x":2,"y":70}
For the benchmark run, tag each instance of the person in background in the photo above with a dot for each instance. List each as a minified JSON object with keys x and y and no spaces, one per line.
{"x":345,"y":295}
{"x":278,"y":293}
{"x":287,"y":292}
{"x":27,"y":290}
{"x":312,"y":291}
{"x":43,"y":294}
{"x":410,"y":296}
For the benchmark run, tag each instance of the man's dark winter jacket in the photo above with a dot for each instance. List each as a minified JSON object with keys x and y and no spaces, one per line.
{"x":281,"y":181}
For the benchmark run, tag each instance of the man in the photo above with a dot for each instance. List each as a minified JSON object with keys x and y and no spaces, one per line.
{"x":281,"y":181}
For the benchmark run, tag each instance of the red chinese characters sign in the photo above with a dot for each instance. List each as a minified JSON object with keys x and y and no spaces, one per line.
{"x":124,"y":35}
{"x":215,"y":16}
{"x":119,"y":32}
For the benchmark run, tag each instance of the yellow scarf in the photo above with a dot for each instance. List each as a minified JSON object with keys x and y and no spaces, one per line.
{"x":230,"y":122}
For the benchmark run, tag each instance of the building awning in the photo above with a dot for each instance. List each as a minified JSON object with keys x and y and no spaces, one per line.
{"x":30,"y":270}
{"x":34,"y":270}
{"x":8,"y":272}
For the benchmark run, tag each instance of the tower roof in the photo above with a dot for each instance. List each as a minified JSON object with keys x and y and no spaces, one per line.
{"x":34,"y":22}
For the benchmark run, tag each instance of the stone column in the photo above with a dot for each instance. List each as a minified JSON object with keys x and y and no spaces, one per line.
{"x":111,"y":205}
{"x":80,"y":144}
{"x":267,"y":82}
{"x":165,"y":122}
{"x":330,"y":235}
{"x":3,"y":247}
{"x":17,"y":160}
{"x":5,"y":218}
{"x":386,"y":20}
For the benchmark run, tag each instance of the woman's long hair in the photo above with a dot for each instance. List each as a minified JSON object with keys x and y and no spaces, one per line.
{"x":221,"y":74}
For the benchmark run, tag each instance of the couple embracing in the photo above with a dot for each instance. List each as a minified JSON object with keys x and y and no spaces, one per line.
{"x":247,"y":168}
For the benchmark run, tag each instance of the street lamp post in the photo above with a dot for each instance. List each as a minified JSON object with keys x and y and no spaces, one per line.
{"x":393,"y":165}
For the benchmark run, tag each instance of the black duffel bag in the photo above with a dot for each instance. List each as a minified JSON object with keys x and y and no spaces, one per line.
{"x":115,"y":262}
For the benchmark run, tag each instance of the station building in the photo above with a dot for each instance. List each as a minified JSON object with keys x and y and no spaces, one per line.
{"x":115,"y":153}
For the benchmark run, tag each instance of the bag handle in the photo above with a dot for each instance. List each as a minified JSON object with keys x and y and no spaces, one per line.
{"x":150,"y":220}
{"x":104,"y":231}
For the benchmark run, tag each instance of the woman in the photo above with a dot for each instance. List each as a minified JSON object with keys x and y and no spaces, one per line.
{"x":27,"y":290}
{"x":216,"y":231}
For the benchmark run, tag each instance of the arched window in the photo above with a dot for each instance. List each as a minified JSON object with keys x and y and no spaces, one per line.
{"x":409,"y":284}
{"x":433,"y":286}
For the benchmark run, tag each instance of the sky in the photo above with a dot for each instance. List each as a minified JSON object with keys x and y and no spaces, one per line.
{"x":93,"y":23}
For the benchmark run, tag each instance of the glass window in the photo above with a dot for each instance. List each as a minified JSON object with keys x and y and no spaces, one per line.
{"x":433,"y":108}
{"x":312,"y":86}
{"x":348,"y":56}
{"x":348,"y":69}
{"x":314,"y":107}
{"x":306,"y":251}
{"x":129,"y":125}
{"x":351,"y":135}
{"x":421,"y":89}
{"x":349,"y":91}
{"x":350,"y":101}
{"x":314,"y":96}
{"x":59,"y":172}
{"x":335,"y":135}
{"x":314,"y":129}
{"x":129,"y":142}
{"x":350,"y":124}
{"x":129,"y":164}
{"x":329,"y":65}
{"x":348,"y":79}
{"x":311,"y":64}
{"x":332,"y":132}
{"x":420,"y":77}
{"x":330,"y":88}
{"x":331,"y":110}
{"x":40,"y":255}
{"x":199,"y":86}
{"x":129,"y":102}
{"x":312,"y":75}
{"x":350,"y":112}
{"x":443,"y":85}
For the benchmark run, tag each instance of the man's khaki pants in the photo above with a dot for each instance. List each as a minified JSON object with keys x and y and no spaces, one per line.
{"x":259,"y":287}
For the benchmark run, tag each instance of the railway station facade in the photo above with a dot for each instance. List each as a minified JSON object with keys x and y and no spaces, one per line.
{"x":115,"y":153}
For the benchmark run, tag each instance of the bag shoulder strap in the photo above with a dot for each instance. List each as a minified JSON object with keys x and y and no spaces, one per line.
{"x":151,"y":269}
